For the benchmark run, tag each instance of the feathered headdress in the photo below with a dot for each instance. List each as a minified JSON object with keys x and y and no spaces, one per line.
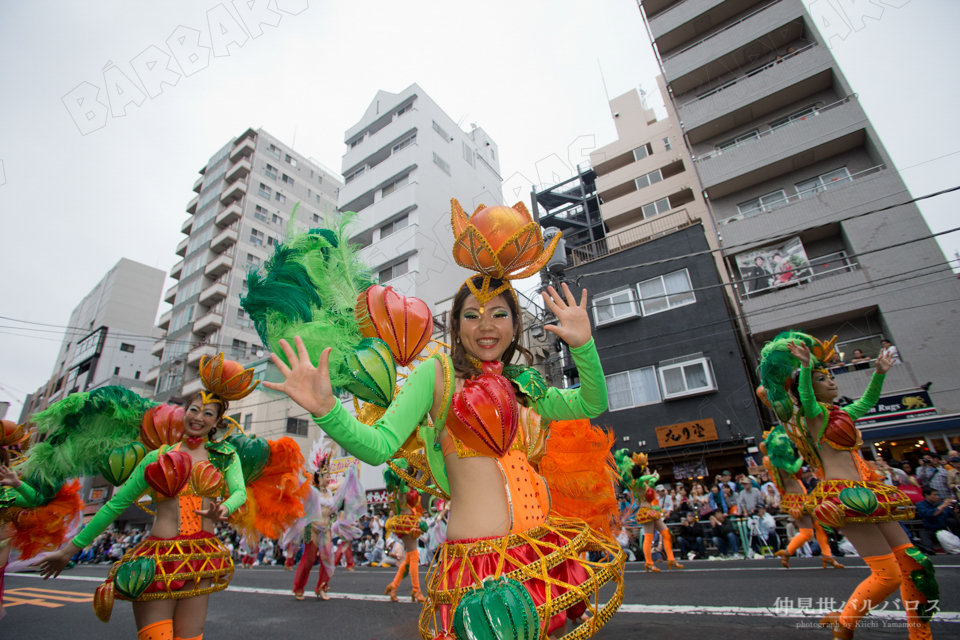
{"x":498,"y":242}
{"x":777,"y":365}
{"x":320,"y":455}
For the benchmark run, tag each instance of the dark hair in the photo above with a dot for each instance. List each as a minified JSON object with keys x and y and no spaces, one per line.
{"x":198,"y":396}
{"x":927,"y":491}
{"x":461,"y":363}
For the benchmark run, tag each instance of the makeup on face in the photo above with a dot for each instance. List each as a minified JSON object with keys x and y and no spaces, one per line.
{"x":486,"y":336}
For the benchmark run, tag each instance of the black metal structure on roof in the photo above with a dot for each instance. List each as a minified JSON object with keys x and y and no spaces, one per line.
{"x":571,"y":206}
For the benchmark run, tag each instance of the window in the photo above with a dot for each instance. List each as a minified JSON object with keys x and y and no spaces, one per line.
{"x":288,"y":179}
{"x":399,"y":183}
{"x":238,"y":349}
{"x":614,"y":307}
{"x":355,"y":174}
{"x":468,"y":154}
{"x":443,"y":164}
{"x":439,"y":129}
{"x":354,"y":143}
{"x":666,"y":143}
{"x":739,"y":141}
{"x":252,"y":259}
{"x":793,"y":118}
{"x":261,"y":214}
{"x":273,"y":150}
{"x":271,"y":241}
{"x":824,"y":182}
{"x":687,"y":377}
{"x":493,"y":154}
{"x":242,"y":320}
{"x":277,"y":220}
{"x":116,"y":371}
{"x":642,"y":152}
{"x":403,"y":144}
{"x":649,"y":179}
{"x":319,"y":179}
{"x":271,"y":171}
{"x":404,"y":109}
{"x":126,"y":347}
{"x":243,"y":284}
{"x":318,"y":198}
{"x":297,"y":426}
{"x":290,"y":160}
{"x":392,"y":227}
{"x":764,"y":203}
{"x":136,"y":376}
{"x":247,"y":422}
{"x":309,"y":193}
{"x":655,"y":208}
{"x":666,"y":292}
{"x":316,"y":218}
{"x":633,"y":388}
{"x":281,"y":197}
{"x":264,"y":191}
{"x":256,"y":237}
{"x":395,"y":271}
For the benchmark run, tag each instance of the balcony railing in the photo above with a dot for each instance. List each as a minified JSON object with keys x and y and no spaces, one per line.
{"x":796,"y":197}
{"x":819,"y":268}
{"x":644,"y":232}
{"x":816,"y":112}
{"x":716,"y":33}
{"x":748,"y":74}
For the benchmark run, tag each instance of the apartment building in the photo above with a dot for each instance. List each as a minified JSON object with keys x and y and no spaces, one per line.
{"x":405,"y":159}
{"x":108,"y":337}
{"x":243,"y":205}
{"x":793,"y":171}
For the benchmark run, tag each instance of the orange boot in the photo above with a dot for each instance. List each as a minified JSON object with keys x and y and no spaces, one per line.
{"x":648,"y":553}
{"x":668,"y":549}
{"x":391,"y":589}
{"x":914,"y":565}
{"x":798,"y":541}
{"x":826,"y":556}
{"x":413,"y":563}
{"x":883,"y":580}
{"x":162,"y":630}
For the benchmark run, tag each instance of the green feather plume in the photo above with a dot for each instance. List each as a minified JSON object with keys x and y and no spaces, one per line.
{"x":776,"y":367}
{"x":624,"y":465}
{"x":309,"y":288}
{"x":80,"y":430}
{"x":781,"y":451}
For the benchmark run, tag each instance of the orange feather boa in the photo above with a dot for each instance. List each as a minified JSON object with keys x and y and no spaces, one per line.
{"x":45,"y":528}
{"x":275,"y":499}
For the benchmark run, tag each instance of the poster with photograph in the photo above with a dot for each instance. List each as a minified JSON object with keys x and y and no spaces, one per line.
{"x":774,"y":266}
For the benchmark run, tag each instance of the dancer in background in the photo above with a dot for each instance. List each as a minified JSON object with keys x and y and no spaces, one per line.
{"x":314,"y":527}
{"x":637,"y":477}
{"x":194,"y":481}
{"x":850,"y":495}
{"x":407,"y":524}
{"x":350,"y":502}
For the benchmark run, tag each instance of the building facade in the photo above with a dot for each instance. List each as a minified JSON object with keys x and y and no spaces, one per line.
{"x":405,"y":160}
{"x":244,"y":203}
{"x":796,"y":176}
{"x":108,"y":337}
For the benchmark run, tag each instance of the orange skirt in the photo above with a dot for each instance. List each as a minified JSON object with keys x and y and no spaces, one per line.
{"x":182,"y":560}
{"x":834,"y":508}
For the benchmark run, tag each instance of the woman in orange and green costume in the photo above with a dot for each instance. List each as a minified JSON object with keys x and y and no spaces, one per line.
{"x":636,"y":475}
{"x":850,"y":495}
{"x":477,"y":417}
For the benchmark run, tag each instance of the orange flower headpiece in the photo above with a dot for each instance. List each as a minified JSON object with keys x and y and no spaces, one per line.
{"x":12,"y":433}
{"x":498,"y":242}
{"x":225,"y":380}
{"x":824,"y":353}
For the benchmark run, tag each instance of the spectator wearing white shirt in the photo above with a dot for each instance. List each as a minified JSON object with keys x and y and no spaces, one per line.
{"x":889,"y":350}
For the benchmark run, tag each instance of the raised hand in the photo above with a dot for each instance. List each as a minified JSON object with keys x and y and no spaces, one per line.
{"x":884,"y":363}
{"x":215,"y":512}
{"x":9,"y":478}
{"x":53,"y":564}
{"x":801,"y":351}
{"x":307,"y":385}
{"x":574,"y":322}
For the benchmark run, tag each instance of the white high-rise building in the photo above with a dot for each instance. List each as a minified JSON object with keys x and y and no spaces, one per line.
{"x":405,"y":160}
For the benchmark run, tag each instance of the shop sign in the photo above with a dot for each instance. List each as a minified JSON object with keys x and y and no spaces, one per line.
{"x":676,"y":435}
{"x":378,"y":496}
{"x":899,"y":406}
{"x":690,"y":470}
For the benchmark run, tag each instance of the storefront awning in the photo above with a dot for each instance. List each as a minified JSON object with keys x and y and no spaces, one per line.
{"x":900,"y":428}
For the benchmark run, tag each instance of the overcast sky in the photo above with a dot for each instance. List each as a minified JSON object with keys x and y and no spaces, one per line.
{"x":527,"y":72}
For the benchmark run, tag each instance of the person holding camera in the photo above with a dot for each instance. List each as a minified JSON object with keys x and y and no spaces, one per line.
{"x":937,"y":515}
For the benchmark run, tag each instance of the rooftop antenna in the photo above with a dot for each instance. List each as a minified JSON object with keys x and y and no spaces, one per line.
{"x":293,"y":144}
{"x":643,"y":97}
{"x":604,"y":81}
{"x":460,"y":121}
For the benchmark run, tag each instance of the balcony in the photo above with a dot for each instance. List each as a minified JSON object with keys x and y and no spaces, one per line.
{"x":220,"y":266}
{"x":626,"y":209}
{"x":176,"y":270}
{"x":632,"y":236}
{"x":158,"y":346}
{"x":191,"y":387}
{"x":192,"y":205}
{"x":202,"y":349}
{"x":209,"y":323}
{"x":243,"y":150}
{"x":187,"y":226}
{"x":684,"y":21}
{"x":214,"y":293}
{"x":230,"y":215}
{"x":152,"y":375}
{"x":225,"y":239}
{"x":852,"y":384}
{"x":830,"y":130}
{"x":388,"y":135}
{"x":234,"y":192}
{"x":171,"y":294}
{"x":165,"y":320}
{"x":238,"y":170}
{"x":868,"y":189}
{"x":404,"y":199}
{"x":182,"y":247}
{"x":757,"y":92}
{"x":394,"y":245}
{"x":801,"y":305}
{"x":198,"y":185}
{"x":733,"y":46}
{"x":359,"y":193}
{"x":618,"y":183}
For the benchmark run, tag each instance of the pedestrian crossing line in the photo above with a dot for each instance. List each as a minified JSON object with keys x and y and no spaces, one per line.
{"x":43,"y":597}
{"x":766,"y":612}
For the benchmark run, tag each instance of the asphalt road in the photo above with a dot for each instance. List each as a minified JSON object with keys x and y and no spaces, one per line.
{"x":735,"y":600}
